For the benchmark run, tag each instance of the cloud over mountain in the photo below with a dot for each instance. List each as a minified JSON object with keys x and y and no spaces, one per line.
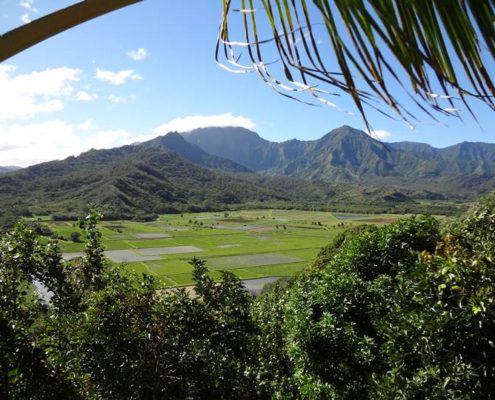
{"x":185,"y":124}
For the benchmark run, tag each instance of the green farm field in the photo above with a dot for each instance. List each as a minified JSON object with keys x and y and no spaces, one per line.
{"x":252,"y":244}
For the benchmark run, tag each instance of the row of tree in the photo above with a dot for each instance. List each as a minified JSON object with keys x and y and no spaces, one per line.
{"x":405,"y":311}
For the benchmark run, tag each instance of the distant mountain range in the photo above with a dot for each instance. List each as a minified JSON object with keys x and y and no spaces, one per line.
{"x":218,"y":168}
{"x":351,"y":156}
{"x":166,"y":174}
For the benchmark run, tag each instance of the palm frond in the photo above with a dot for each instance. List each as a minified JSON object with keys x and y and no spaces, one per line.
{"x":326,"y":48}
{"x":25,"y":36}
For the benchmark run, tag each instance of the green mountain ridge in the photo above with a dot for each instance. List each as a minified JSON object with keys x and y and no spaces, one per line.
{"x":127,"y":181}
{"x":349,"y":155}
{"x":243,"y":146}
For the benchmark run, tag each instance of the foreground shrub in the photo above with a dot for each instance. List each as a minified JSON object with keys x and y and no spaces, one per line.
{"x":105,"y":335}
{"x":396,"y":312}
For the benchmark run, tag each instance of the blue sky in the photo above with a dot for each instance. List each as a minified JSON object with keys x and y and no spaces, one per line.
{"x":150,"y":68}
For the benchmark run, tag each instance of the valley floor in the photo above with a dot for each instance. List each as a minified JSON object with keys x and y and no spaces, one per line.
{"x":252,"y":244}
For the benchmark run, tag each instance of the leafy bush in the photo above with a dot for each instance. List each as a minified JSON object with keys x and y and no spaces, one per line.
{"x":394,"y":312}
{"x":105,"y":335}
{"x":24,"y":371}
{"x":75,"y":237}
{"x":40,"y":229}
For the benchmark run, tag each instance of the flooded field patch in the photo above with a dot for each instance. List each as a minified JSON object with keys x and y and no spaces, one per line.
{"x":250,"y":260}
{"x":228,"y":246}
{"x":169,"y":250}
{"x":152,"y":235}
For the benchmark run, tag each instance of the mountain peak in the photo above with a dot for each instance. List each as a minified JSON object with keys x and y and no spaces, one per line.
{"x":235,"y":143}
{"x":175,"y":142}
{"x":343,"y":133}
{"x":348,"y":128}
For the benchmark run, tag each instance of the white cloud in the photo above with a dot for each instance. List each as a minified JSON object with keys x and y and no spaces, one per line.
{"x":117,"y":78}
{"x":380,"y":134}
{"x":85,"y":96}
{"x":137,"y":55}
{"x":87,"y":125}
{"x":28,"y":5}
{"x":117,"y":99}
{"x":25,"y":18}
{"x":203,"y":121}
{"x":107,"y":139}
{"x":4,"y":147}
{"x":26,"y":95}
{"x":28,"y":144}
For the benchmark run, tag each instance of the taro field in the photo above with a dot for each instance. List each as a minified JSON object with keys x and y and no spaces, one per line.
{"x":252,"y":244}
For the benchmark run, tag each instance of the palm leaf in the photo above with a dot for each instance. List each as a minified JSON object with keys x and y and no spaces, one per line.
{"x":441,"y":46}
{"x":28,"y":35}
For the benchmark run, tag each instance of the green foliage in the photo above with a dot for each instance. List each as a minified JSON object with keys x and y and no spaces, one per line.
{"x":105,"y":335}
{"x":24,"y":372}
{"x":274,"y":366}
{"x":276,"y":285}
{"x":93,"y":263}
{"x":40,"y":229}
{"x":395,"y":312}
{"x":327,"y":252}
{"x":133,"y":341}
{"x":402,"y":311}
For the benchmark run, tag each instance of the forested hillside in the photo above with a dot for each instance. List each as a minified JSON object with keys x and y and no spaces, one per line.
{"x":127,"y":182}
{"x":210,"y":169}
